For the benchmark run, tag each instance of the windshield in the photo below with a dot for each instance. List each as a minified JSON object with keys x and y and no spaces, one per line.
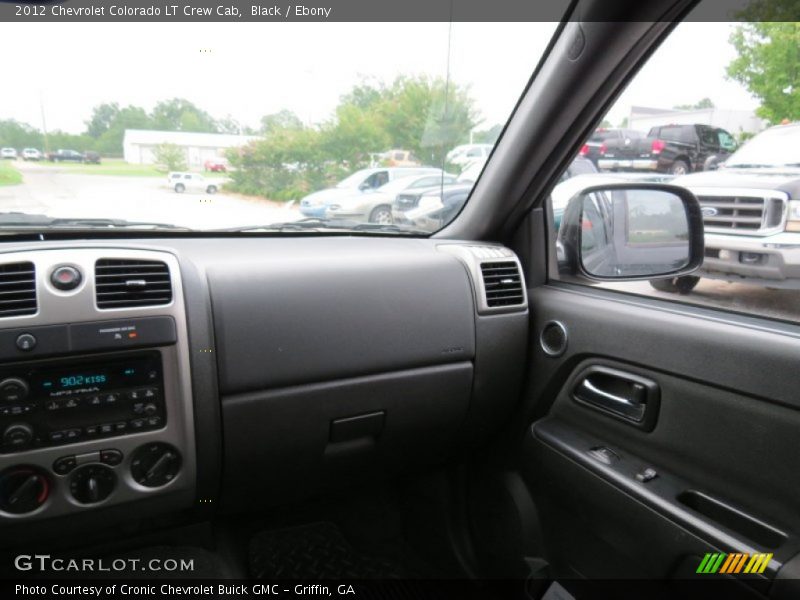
{"x":281,"y":129}
{"x":776,"y":147}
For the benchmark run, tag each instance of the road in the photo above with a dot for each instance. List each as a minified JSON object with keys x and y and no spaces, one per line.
{"x":54,"y":191}
{"x":776,"y":304}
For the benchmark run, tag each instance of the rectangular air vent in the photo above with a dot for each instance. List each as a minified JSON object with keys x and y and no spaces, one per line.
{"x":129,"y":283}
{"x":502,"y":284}
{"x":17,"y":289}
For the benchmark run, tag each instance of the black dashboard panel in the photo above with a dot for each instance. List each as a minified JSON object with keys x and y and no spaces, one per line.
{"x":312,"y":360}
{"x":302,"y":314}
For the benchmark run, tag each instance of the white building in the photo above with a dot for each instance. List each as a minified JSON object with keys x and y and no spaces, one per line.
{"x":139,"y":145}
{"x":642,"y":118}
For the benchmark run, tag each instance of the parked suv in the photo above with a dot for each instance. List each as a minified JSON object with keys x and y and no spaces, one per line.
{"x":591,"y":150}
{"x":9,"y":153}
{"x":193,"y":182}
{"x":31,"y":154}
{"x":65,"y":156}
{"x":676,"y":149}
{"x":751,"y":213}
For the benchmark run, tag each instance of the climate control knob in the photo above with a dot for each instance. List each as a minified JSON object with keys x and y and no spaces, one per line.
{"x":156,"y":464}
{"x":23,"y":489}
{"x":91,"y":484}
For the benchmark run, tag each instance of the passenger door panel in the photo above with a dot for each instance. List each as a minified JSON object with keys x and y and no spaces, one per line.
{"x":723,"y":443}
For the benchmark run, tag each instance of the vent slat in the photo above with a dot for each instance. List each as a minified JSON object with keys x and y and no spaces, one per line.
{"x":17,"y":289}
{"x":112,"y":289}
{"x":502,"y":284}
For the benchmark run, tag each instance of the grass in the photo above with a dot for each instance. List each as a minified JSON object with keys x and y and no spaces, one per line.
{"x":117,"y":167}
{"x":8,"y":174}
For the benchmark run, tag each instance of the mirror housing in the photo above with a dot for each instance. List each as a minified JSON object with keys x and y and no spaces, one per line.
{"x":631,"y":232}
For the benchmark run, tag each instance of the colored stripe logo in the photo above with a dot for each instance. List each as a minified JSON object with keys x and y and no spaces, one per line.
{"x":736,"y":562}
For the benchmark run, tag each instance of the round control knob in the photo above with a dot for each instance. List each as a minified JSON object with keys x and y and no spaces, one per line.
{"x":13,"y":389}
{"x":65,"y":278}
{"x":23,"y":489}
{"x":156,"y":464}
{"x":92,"y":483}
{"x":17,"y":436}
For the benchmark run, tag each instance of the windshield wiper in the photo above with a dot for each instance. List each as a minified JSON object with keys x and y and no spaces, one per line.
{"x":317,"y":224}
{"x":15,"y":221}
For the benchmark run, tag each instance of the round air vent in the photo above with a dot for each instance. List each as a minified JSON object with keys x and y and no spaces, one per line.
{"x":553,"y":339}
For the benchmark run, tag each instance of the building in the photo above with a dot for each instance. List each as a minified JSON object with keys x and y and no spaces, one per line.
{"x":139,"y":145}
{"x":736,"y":122}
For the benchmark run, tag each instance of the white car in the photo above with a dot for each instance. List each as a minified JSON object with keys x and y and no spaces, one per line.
{"x":9,"y":153}
{"x":192,"y":182}
{"x":316,"y":204}
{"x":461,"y":156}
{"x":376,"y":206}
{"x":31,"y":154}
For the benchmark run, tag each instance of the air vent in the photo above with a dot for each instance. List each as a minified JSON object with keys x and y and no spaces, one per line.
{"x":502,"y":283}
{"x":17,"y":289}
{"x":131,"y":283}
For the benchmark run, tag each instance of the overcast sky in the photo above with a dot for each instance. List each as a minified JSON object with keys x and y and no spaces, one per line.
{"x":251,"y":69}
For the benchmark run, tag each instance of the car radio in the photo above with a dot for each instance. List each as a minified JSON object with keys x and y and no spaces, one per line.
{"x":57,"y":402}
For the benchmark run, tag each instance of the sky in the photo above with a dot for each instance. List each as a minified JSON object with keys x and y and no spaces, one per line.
{"x":247,"y":70}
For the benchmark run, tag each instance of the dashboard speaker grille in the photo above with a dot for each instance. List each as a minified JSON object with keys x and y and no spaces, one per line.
{"x":502,"y":283}
{"x":125,"y":283}
{"x":17,"y":289}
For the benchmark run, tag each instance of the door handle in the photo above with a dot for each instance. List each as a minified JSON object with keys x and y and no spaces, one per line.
{"x":625,"y":396}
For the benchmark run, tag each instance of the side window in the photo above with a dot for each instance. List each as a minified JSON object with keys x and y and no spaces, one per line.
{"x":474,"y":153}
{"x":426,"y":182}
{"x":733,"y":101}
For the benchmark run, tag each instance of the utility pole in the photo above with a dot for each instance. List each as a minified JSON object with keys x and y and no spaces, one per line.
{"x":44,"y":123}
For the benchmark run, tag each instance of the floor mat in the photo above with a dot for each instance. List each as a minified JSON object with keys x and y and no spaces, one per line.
{"x":315,"y":551}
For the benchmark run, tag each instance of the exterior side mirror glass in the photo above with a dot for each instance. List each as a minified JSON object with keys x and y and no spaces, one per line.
{"x":631,"y":231}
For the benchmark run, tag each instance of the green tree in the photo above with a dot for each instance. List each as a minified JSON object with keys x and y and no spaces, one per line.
{"x":20,"y":135}
{"x":170,"y":157}
{"x":103,"y":116}
{"x":703,"y":103}
{"x":353,"y":135}
{"x":488,"y":136}
{"x":131,"y":117}
{"x":768,"y":66}
{"x":284,"y":119}
{"x":178,"y":114}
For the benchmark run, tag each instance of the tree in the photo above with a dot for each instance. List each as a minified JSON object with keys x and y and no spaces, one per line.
{"x":488,"y":136}
{"x":284,"y":119}
{"x":704,"y":103}
{"x":353,"y":135}
{"x":103,"y":116}
{"x":178,"y":114}
{"x":768,"y":66}
{"x":20,"y":135}
{"x":130,"y":117}
{"x":170,"y":157}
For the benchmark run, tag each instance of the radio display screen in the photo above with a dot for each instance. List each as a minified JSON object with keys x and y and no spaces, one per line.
{"x":86,"y":378}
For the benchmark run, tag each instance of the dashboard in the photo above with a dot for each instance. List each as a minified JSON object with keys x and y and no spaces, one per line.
{"x":179,"y":375}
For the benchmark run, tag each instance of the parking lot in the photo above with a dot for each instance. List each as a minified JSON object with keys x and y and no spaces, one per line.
{"x":55,"y":191}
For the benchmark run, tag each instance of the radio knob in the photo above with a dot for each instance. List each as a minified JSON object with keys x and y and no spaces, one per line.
{"x":13,"y":389}
{"x":17,"y":436}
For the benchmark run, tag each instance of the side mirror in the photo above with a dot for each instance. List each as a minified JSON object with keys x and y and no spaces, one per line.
{"x":631,"y":231}
{"x":364,"y":187}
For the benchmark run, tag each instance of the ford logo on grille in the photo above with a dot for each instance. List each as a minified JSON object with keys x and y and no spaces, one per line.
{"x":709,"y":211}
